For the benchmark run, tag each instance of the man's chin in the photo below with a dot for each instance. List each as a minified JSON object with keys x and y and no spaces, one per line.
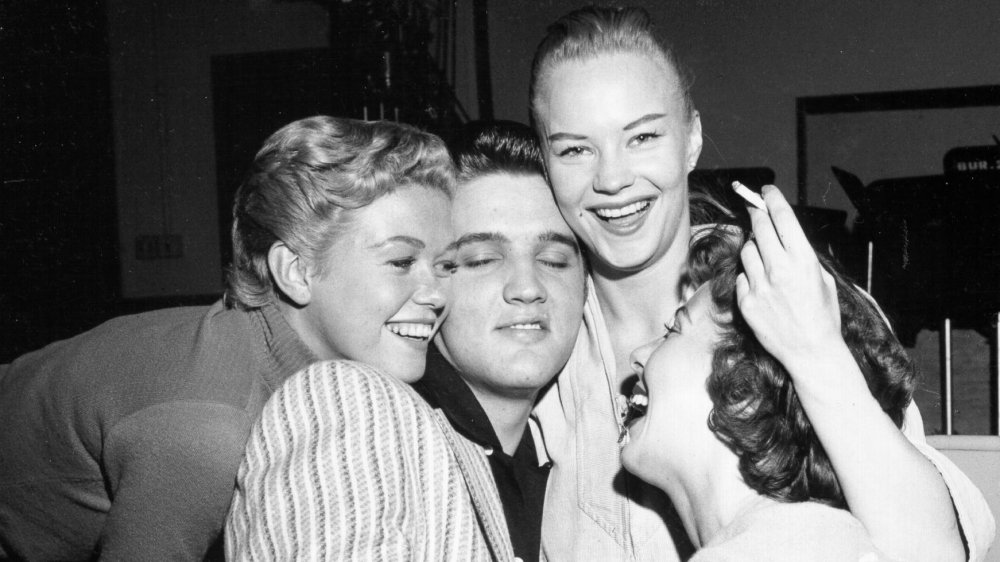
{"x":531,"y":369}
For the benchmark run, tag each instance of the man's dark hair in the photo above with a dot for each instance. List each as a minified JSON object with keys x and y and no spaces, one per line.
{"x":497,"y":147}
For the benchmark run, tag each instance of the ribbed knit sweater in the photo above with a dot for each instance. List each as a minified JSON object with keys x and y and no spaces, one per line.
{"x":346,"y":463}
{"x":125,"y":440}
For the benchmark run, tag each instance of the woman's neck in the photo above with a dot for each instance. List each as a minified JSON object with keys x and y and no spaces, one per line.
{"x":636,"y":305}
{"x":710,"y":496}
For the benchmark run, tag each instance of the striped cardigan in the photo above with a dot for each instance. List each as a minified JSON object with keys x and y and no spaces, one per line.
{"x":346,"y":463}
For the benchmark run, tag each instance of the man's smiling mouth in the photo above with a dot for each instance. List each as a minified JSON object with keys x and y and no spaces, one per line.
{"x":524,"y":330}
{"x":527,"y":326}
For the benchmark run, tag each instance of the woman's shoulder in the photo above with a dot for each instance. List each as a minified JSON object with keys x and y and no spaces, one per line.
{"x":343,"y":377}
{"x":341,"y":391}
{"x":792,"y":531}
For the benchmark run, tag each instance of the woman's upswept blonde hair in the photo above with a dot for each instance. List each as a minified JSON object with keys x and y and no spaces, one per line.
{"x":305,"y":180}
{"x":592,"y":31}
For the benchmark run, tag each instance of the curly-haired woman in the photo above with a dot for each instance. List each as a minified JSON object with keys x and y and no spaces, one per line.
{"x":724,"y":432}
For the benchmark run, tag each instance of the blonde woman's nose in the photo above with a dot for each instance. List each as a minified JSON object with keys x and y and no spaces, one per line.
{"x":613,"y":173}
{"x":431,"y":294}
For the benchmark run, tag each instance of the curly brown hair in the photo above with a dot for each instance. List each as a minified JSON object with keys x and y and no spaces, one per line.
{"x":756,"y":409}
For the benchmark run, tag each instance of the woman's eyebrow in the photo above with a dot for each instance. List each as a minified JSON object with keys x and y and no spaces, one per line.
{"x":415,"y":242}
{"x":565,"y":136}
{"x":643,"y":120}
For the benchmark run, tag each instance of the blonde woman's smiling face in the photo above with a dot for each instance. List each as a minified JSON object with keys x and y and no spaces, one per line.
{"x":384,"y":291}
{"x":618,"y":143}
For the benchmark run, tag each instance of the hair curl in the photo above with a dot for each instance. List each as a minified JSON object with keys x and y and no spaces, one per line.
{"x":756,"y":410}
{"x":307,"y":178}
{"x":591,"y":31}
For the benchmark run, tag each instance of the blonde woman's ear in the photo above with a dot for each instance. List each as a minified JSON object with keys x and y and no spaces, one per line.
{"x":290,"y":273}
{"x":694,"y":141}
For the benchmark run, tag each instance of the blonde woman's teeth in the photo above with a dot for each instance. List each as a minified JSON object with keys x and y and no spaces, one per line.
{"x":411,"y":330}
{"x":630,"y":209}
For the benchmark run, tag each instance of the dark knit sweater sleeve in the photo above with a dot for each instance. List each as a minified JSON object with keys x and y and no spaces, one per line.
{"x":170,"y":471}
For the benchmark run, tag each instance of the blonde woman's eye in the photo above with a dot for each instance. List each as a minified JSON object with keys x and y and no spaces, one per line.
{"x":645,"y":137}
{"x":403,"y":263}
{"x":446,"y":268}
{"x":571,"y":151}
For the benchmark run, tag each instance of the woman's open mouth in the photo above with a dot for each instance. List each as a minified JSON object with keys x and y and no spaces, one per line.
{"x":411,"y":330}
{"x":637,"y":404}
{"x":625,"y":216}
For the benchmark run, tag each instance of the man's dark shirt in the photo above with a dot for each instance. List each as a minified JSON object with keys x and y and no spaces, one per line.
{"x":519,"y":478}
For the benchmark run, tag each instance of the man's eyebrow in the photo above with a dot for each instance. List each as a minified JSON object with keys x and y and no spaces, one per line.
{"x":415,"y":242}
{"x":473,"y":237}
{"x":643,"y":120}
{"x":559,"y":237}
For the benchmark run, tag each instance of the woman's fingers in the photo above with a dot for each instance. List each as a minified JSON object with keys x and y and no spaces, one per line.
{"x":784,"y":294}
{"x":781,"y":242}
{"x":742,"y":291}
{"x":764,"y":234}
{"x":786,"y":225}
{"x":752,"y":264}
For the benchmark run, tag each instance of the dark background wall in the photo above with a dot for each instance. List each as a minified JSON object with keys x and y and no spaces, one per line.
{"x":58,"y":239}
{"x":752,"y":60}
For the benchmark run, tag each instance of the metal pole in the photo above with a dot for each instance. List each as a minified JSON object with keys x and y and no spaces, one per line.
{"x":871,"y":251}
{"x":946,"y":334}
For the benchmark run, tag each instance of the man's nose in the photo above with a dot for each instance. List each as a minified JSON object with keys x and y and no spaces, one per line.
{"x":524,"y":285}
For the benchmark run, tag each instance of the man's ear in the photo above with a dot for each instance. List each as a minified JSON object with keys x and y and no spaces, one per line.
{"x":290,"y":273}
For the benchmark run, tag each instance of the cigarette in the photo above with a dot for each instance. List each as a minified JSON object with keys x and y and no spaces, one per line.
{"x":750,"y":196}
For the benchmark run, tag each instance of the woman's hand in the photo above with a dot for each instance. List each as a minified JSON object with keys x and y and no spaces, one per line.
{"x":790,"y":302}
{"x":786,"y":296}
